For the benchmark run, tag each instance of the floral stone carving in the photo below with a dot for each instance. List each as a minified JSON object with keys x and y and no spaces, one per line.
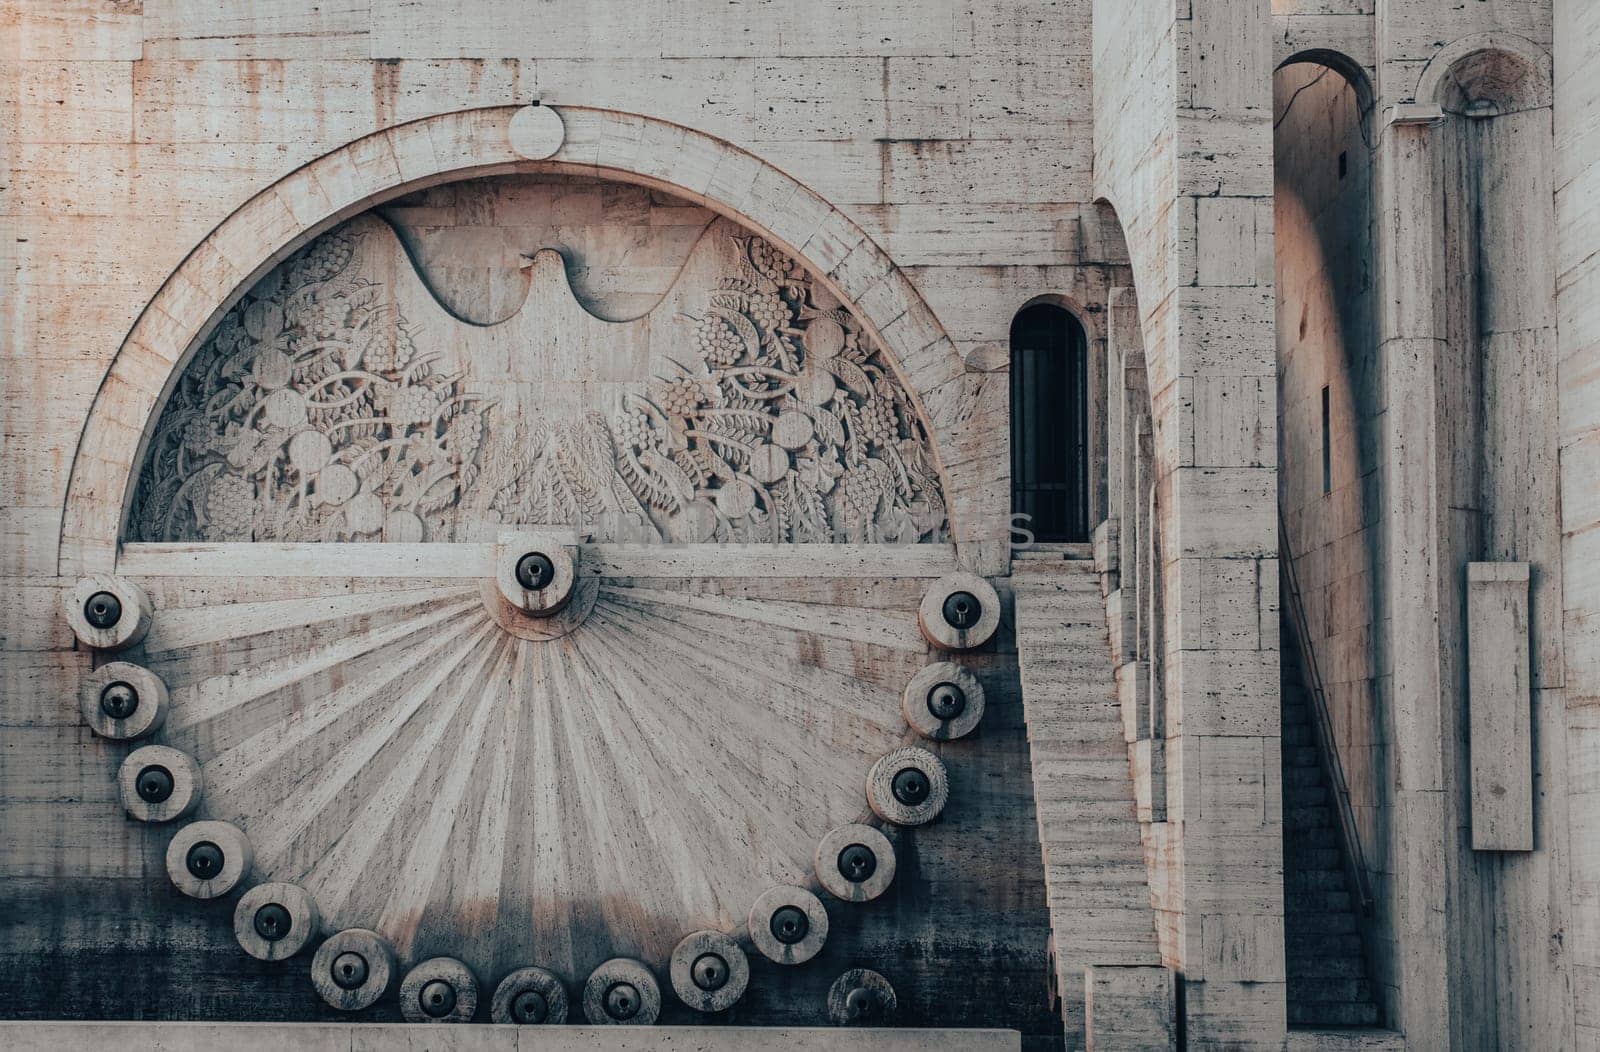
{"x":337,"y":401}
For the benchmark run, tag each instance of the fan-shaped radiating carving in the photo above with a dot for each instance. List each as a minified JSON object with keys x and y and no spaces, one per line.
{"x":339,"y":401}
{"x":386,"y":745}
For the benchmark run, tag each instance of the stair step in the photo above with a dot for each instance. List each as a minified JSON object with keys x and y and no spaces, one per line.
{"x":1077,"y":897}
{"x":1293,"y":776}
{"x":1065,"y":742}
{"x":1083,"y":769}
{"x":1344,"y":1039}
{"x":1302,"y":946}
{"x":1301,"y":756}
{"x":1357,"y":1013}
{"x":1106,"y":873}
{"x":1026,"y":560}
{"x":1103,"y":743}
{"x":1311,"y":837}
{"x":1051,"y":585}
{"x":1304,"y":795}
{"x":1297,"y":818}
{"x":1077,"y":670}
{"x":1311,"y":880}
{"x":1329,"y":966}
{"x":1067,"y":690}
{"x":1071,"y":810}
{"x":1073,"y":624}
{"x":1048,"y":726}
{"x":1091,"y":775}
{"x":1316,"y":901}
{"x":1296,"y":857}
{"x":1295,"y":715}
{"x":1100,"y":832}
{"x":1329,"y":991}
{"x":1299,"y":734}
{"x":1308,"y":922}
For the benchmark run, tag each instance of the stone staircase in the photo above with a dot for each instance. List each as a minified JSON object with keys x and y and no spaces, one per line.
{"x":1327,"y":973}
{"x":1100,"y":911}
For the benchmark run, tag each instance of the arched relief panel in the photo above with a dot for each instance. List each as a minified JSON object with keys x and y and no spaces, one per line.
{"x":340,"y":401}
{"x":676,"y":741}
{"x":280,"y":220}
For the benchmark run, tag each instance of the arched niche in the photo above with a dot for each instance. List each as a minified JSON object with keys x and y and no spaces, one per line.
{"x":1354,"y":74}
{"x":1487,"y":74}
{"x":280,"y":220}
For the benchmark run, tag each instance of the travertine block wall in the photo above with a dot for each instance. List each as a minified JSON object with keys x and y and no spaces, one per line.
{"x":996,"y":150}
{"x":1183,"y":133}
{"x":957,"y":135}
{"x":1463,"y":275}
{"x":1577,"y":200}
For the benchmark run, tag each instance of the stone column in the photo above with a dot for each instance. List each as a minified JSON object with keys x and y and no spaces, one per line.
{"x":1127,"y":388}
{"x":1412,"y":335}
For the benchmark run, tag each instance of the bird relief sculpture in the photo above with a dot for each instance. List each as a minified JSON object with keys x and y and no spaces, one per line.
{"x":338,"y":401}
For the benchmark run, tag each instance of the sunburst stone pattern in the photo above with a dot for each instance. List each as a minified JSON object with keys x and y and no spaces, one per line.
{"x":423,"y":773}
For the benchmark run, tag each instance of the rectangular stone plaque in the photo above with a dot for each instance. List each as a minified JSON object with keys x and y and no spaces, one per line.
{"x":1499,"y":706}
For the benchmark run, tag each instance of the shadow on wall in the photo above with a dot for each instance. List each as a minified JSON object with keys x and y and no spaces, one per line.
{"x":1329,"y":421}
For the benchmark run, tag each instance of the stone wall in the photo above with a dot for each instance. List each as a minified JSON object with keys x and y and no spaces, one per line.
{"x":1183,"y":133}
{"x":1577,"y":200}
{"x":943,"y":164}
{"x":1463,"y":273}
{"x":933,"y":161}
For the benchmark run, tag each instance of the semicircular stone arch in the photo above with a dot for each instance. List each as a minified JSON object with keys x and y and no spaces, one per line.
{"x":282,"y":219}
{"x":1507,"y":70}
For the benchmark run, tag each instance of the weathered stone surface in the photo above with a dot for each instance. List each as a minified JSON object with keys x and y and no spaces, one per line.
{"x":1357,"y":291}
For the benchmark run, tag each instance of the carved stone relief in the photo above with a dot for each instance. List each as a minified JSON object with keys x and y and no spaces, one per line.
{"x":339,"y":401}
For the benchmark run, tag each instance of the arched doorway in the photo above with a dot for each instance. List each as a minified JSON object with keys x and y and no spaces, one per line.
{"x":1050,"y":424}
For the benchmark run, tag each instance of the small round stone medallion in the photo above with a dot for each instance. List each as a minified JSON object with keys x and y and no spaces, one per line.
{"x":908,"y":787}
{"x":709,"y":971}
{"x":855,"y":862}
{"x":439,"y":990}
{"x":788,"y":925}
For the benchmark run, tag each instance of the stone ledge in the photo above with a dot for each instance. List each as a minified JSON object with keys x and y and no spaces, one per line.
{"x":1351,"y":1040}
{"x":350,"y":1037}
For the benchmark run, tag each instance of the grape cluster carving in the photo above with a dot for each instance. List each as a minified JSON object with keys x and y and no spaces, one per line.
{"x":311,"y":414}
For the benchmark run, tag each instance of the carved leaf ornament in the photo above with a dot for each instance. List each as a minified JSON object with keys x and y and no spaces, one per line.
{"x":317,"y":411}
